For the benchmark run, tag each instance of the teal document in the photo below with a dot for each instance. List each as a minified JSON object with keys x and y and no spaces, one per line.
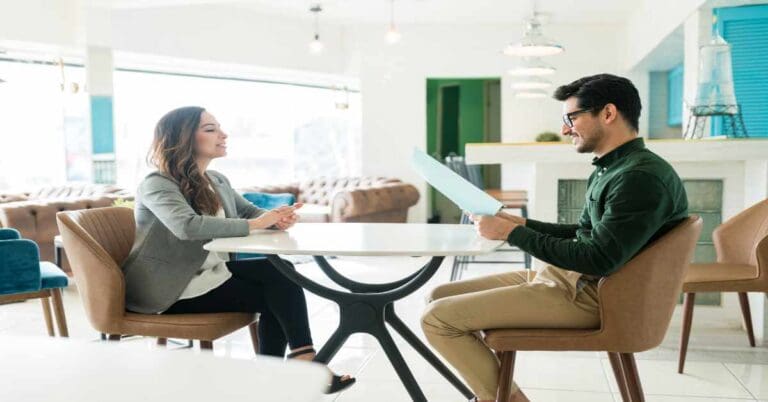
{"x":463,"y":193}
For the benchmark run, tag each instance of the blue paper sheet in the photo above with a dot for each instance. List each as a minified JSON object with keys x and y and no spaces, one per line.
{"x":463,"y":193}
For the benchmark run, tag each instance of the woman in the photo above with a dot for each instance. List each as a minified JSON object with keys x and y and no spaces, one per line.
{"x":180,"y":207}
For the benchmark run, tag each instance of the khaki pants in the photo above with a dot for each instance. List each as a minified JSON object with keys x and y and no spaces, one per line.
{"x":458,"y":310}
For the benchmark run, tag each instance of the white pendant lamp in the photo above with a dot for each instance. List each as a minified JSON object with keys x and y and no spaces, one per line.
{"x":534,"y":43}
{"x":393,"y":35}
{"x":316,"y":46}
{"x":531,"y":67}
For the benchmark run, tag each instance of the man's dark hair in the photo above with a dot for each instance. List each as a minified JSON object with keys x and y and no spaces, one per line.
{"x":596,"y":91}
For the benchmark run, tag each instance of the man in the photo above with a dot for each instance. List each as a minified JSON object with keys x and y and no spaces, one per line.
{"x":633,"y":198}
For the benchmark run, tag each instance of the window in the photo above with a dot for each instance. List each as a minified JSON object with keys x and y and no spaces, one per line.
{"x":675,"y":96}
{"x":277,"y":132}
{"x":44,"y":129}
{"x":746,"y":30}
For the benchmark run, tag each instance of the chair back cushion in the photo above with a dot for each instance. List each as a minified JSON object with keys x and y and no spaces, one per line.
{"x":19,"y":264}
{"x":638,"y":300}
{"x":270,"y":201}
{"x":97,"y":242}
{"x":265,"y":201}
{"x":736,"y":239}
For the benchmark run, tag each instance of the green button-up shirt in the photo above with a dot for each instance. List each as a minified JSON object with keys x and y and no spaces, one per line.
{"x":633,"y":198}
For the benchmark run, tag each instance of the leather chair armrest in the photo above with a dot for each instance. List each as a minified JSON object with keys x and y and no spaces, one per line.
{"x":365,"y":201}
{"x":19,"y":266}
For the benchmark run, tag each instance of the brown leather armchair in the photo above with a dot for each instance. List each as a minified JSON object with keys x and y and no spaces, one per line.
{"x":636,"y":306}
{"x":741,"y":245}
{"x":34,"y":213}
{"x":349,"y":199}
{"x":98,"y":241}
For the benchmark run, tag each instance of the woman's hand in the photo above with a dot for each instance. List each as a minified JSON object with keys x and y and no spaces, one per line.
{"x":278,"y":216}
{"x":291,"y":220}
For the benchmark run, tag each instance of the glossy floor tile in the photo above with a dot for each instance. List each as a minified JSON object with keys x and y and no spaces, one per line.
{"x":721,"y":367}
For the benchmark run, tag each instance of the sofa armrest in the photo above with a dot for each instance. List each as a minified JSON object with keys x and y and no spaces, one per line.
{"x":19,"y":266}
{"x":350,"y":204}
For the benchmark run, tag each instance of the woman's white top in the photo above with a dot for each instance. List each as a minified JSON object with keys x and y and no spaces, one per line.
{"x":211,"y":275}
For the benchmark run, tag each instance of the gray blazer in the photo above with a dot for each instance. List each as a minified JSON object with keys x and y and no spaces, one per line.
{"x":168,"y":249}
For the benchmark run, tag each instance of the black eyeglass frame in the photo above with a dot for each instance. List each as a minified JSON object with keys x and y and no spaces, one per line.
{"x":567,"y":117}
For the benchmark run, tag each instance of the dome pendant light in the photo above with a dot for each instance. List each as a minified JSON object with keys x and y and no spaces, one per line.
{"x":534,"y":43}
{"x":531,"y":67}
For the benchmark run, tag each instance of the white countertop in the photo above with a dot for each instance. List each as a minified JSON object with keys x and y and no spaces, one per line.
{"x":673,"y":150}
{"x":361,"y":239}
{"x":37,"y":369}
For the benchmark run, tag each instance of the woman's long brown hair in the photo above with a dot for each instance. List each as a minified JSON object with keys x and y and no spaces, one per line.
{"x":173,"y":153}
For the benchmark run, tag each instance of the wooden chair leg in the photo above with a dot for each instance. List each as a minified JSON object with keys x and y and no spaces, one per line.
{"x":58,"y":311}
{"x":690,"y":298}
{"x":162,"y":341}
{"x":618,"y":372}
{"x":206,"y":345}
{"x":47,"y":315}
{"x":506,"y":372}
{"x":634,"y":388}
{"x":744,"y":301}
{"x":254,"y":330}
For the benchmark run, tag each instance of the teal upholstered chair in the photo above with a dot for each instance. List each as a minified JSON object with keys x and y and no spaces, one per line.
{"x":266,"y":201}
{"x":23,"y":276}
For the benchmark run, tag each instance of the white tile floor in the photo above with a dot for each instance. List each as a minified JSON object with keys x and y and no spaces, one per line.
{"x":720,"y":366}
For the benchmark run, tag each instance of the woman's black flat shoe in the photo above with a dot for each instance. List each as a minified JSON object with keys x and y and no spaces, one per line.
{"x":337,"y":383}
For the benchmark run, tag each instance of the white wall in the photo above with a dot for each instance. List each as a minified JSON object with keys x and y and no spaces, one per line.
{"x":393,"y":84}
{"x":217,"y":33}
{"x":41,"y":21}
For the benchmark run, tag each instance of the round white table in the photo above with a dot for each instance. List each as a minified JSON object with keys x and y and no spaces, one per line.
{"x":366,"y":307}
{"x":38,"y":369}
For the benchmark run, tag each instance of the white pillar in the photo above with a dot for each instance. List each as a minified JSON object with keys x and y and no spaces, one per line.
{"x":99,"y":68}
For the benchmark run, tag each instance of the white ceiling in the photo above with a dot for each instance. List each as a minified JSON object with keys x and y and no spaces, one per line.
{"x":418,"y":11}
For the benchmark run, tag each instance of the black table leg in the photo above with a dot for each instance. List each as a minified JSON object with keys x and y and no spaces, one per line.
{"x":398,"y":325}
{"x":367,"y":309}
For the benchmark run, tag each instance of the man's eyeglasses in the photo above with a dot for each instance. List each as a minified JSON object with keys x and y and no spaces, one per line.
{"x":567,"y":118}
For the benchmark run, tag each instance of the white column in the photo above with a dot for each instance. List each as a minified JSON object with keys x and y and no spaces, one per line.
{"x":99,"y":67}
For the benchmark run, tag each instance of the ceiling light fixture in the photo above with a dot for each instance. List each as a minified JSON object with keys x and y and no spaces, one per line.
{"x":531,"y":66}
{"x":532,"y":83}
{"x":316,"y":46}
{"x":533,"y":43}
{"x":393,"y":35}
{"x":531,"y":94}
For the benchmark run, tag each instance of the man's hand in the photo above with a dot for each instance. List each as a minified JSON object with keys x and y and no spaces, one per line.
{"x":493,"y":227}
{"x":513,"y":218}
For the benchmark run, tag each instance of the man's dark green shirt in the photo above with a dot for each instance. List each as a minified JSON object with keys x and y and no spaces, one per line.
{"x":633,"y":197}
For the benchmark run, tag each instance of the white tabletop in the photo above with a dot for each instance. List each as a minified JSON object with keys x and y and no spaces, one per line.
{"x":361,"y":239}
{"x":36,"y":369}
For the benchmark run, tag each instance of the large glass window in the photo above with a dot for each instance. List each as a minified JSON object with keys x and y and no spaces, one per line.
{"x":277,"y":132}
{"x":43,"y":128}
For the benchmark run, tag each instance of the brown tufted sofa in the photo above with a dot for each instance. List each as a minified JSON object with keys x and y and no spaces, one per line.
{"x":349,"y":199}
{"x":34,"y":213}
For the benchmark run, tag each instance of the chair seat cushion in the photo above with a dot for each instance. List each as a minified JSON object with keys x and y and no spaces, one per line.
{"x":719,"y":277}
{"x":52,"y":277}
{"x":186,"y":326}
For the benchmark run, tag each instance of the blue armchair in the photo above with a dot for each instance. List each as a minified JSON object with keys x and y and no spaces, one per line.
{"x":23,"y":276}
{"x":266,"y":201}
